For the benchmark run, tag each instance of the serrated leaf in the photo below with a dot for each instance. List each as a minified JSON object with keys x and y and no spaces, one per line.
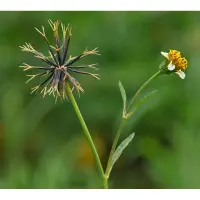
{"x":141,"y":101}
{"x":120,"y":149}
{"x":123,"y":93}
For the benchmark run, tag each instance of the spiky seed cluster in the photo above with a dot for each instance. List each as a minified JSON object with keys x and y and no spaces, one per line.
{"x":59,"y":64}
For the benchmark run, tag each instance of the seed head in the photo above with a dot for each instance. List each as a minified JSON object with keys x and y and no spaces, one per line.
{"x":59,"y":65}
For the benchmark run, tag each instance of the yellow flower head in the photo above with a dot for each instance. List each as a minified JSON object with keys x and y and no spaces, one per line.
{"x":177,"y":63}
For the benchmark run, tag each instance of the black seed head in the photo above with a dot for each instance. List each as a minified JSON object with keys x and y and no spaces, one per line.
{"x":59,"y":66}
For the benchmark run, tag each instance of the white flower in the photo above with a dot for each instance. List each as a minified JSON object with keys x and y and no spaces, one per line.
{"x":181,"y":74}
{"x":176,"y":62}
{"x":164,"y":54}
{"x":171,"y":67}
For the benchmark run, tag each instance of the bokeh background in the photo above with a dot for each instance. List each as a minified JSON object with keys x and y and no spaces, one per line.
{"x":42,"y":144}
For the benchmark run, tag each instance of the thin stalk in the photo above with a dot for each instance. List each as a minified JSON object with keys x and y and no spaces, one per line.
{"x":114,"y":145}
{"x":122,"y":124}
{"x":142,"y":87}
{"x":86,"y":132}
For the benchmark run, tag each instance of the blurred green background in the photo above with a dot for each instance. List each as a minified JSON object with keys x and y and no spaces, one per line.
{"x":42,"y":144}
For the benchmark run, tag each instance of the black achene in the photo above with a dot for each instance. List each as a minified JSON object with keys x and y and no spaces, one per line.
{"x":60,"y":65}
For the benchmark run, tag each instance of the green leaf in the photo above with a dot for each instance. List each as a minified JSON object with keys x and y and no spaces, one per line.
{"x":123,"y":93}
{"x":120,"y":149}
{"x":141,"y":101}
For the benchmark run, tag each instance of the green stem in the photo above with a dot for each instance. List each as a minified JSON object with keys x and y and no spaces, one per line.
{"x":142,"y":87}
{"x":122,"y":124}
{"x":105,"y":182}
{"x":114,"y":145}
{"x":87,"y":133}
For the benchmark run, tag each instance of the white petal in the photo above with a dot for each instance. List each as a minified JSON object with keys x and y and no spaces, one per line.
{"x":164,"y":54}
{"x":171,"y":67}
{"x":181,"y":74}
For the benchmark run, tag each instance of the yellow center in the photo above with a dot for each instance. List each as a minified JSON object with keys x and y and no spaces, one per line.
{"x":176,"y":59}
